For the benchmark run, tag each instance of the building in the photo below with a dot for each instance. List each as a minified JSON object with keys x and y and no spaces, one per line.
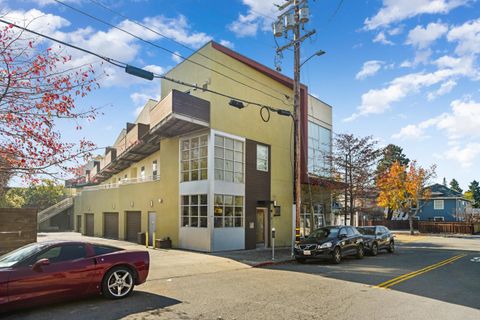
{"x":445,"y":204}
{"x":208,"y":176}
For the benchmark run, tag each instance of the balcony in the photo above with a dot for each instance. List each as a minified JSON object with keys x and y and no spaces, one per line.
{"x":121,"y":183}
{"x":110,"y":155}
{"x":178,"y":113}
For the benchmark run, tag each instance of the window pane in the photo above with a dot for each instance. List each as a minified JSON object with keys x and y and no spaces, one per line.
{"x":185,"y":222}
{"x":228,"y":165}
{"x":195,"y":175}
{"x":203,"y":163}
{"x":203,"y":174}
{"x":194,"y":164}
{"x":219,"y":152}
{"x":194,"y":153}
{"x":218,"y":211}
{"x":228,"y":222}
{"x":203,"y":211}
{"x":238,"y":222}
{"x":218,"y":199}
{"x":203,"y":151}
{"x":238,"y":156}
{"x":219,"y":174}
{"x":203,"y":222}
{"x":194,"y":143}
{"x":238,"y":177}
{"x":185,"y":200}
{"x":238,"y":145}
{"x":204,"y":140}
{"x":185,"y":144}
{"x":185,"y":155}
{"x":185,"y":210}
{"x":219,"y":141}
{"x":203,"y":199}
{"x":238,"y":211}
{"x":228,"y":154}
{"x":217,"y":222}
{"x":238,"y":167}
{"x":238,"y":201}
{"x":185,"y":176}
{"x":194,"y":199}
{"x":228,"y":143}
{"x":228,"y":176}
{"x":194,"y":222}
{"x":185,"y":165}
{"x":228,"y":200}
{"x":218,"y":163}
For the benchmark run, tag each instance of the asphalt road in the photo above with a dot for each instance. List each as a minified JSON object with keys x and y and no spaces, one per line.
{"x":185,"y":285}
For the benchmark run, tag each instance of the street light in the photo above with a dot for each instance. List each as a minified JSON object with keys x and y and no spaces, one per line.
{"x":318,"y":53}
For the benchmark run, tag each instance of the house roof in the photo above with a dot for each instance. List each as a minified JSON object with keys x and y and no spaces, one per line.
{"x":440,"y":191}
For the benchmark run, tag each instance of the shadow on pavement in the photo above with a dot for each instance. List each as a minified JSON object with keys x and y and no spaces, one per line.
{"x":97,"y":308}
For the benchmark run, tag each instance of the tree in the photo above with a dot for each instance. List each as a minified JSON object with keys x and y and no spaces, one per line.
{"x":353,"y":162}
{"x":13,"y":198}
{"x":474,"y":189}
{"x":455,"y":186}
{"x":38,"y":88}
{"x":405,"y":189}
{"x":390,"y":154}
{"x":43,"y":195}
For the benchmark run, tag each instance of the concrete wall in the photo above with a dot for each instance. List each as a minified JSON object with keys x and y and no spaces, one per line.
{"x":18,"y":227}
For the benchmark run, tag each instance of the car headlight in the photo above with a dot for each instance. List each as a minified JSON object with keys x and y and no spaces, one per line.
{"x":324,"y":245}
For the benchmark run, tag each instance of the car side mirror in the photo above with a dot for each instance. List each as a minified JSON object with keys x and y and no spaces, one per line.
{"x":40,"y":263}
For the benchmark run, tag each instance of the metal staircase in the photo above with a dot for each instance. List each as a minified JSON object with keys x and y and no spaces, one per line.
{"x":52,"y":211}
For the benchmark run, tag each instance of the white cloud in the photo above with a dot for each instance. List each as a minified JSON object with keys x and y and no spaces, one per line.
{"x":409,"y":132}
{"x":445,"y":88}
{"x":468,"y":37}
{"x":155,"y":69}
{"x":421,"y":57}
{"x":377,"y":101}
{"x":422,"y":37}
{"x":259,"y":17}
{"x":382,"y":39}
{"x":227,"y":44}
{"x":369,"y":68}
{"x":395,"y":31}
{"x":176,"y":57}
{"x":397,"y":10}
{"x":465,"y":155}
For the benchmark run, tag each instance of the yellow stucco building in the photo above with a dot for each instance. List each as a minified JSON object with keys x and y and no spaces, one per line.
{"x":209,"y":176}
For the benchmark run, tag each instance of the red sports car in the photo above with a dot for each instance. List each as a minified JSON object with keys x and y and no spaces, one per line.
{"x":52,"y":271}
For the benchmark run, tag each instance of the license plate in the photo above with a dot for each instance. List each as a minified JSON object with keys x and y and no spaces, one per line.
{"x":307,"y":252}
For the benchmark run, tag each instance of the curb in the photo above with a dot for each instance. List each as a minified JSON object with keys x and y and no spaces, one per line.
{"x":271,"y":263}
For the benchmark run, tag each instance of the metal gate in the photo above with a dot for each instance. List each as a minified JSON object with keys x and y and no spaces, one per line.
{"x":133,"y":225}
{"x":110,"y":225}
{"x":89,"y":224}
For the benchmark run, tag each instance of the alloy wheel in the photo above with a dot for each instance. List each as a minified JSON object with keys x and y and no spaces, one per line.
{"x":120,"y":283}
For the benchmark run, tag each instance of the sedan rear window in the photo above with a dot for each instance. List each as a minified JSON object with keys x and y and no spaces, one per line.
{"x":99,"y":250}
{"x":367,"y":230}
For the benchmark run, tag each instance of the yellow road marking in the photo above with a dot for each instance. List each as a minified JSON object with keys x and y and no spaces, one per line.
{"x":412,"y":274}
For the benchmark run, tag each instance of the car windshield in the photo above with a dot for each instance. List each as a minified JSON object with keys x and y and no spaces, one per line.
{"x":323,"y":233}
{"x":370,"y":231}
{"x":11,"y":258}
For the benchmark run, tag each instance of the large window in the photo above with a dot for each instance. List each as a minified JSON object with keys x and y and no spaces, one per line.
{"x":154,"y":170}
{"x":319,"y":149}
{"x":194,"y":153}
{"x":306,"y":226}
{"x":262,"y":157}
{"x":194,"y":211}
{"x":228,"y":211}
{"x":228,"y":159}
{"x":438,"y":204}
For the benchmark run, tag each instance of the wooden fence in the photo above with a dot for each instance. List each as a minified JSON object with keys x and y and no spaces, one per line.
{"x":447,"y":227}
{"x":18,"y":227}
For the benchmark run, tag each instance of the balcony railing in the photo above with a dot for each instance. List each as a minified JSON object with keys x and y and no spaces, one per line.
{"x":122,"y":182}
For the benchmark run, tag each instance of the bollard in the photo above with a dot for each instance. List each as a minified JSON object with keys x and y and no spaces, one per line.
{"x":153,"y":240}
{"x":146,"y":239}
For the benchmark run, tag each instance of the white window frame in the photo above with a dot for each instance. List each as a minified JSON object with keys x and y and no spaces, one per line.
{"x":437,"y":206}
{"x":190,"y":154}
{"x":194,"y":211}
{"x":155,"y":175}
{"x":222,"y":172}
{"x":438,"y":219}
{"x":260,"y":160}
{"x":236,"y":220}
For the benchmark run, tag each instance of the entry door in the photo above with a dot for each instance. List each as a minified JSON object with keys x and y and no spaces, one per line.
{"x":134,"y":225}
{"x":152,"y":226}
{"x":110,"y":225}
{"x":261,"y":227}
{"x":89,"y":224}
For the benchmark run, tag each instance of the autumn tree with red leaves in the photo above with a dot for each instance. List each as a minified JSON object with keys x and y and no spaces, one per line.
{"x":39,"y":88}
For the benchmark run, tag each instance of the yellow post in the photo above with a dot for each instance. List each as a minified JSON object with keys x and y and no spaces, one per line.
{"x":146,"y":239}
{"x":153,"y":240}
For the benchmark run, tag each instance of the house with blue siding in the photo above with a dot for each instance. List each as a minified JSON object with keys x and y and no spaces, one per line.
{"x":445,"y":204}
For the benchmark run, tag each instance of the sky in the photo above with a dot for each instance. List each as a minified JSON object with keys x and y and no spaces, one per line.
{"x":403,"y":71}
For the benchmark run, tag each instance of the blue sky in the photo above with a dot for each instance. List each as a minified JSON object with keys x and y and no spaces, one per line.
{"x":404,"y":71}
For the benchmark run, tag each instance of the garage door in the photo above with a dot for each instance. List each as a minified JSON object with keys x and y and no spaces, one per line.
{"x":134,"y":225}
{"x":110,"y":225}
{"x":89,"y":224}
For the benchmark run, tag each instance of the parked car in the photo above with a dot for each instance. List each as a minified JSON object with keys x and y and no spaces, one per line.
{"x":53,"y":271}
{"x":333,"y":242}
{"x":377,"y":238}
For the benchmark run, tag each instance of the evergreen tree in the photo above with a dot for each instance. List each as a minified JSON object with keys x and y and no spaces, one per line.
{"x":474,"y":189}
{"x":455,"y":186}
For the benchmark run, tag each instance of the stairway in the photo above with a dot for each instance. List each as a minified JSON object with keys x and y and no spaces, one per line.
{"x":52,"y":211}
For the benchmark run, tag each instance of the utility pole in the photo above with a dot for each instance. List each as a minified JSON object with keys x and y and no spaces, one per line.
{"x":295,"y":15}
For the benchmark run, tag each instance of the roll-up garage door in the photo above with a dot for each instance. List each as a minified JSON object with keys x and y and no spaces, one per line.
{"x":110,"y":225}
{"x":134,"y":225}
{"x":89,"y":224}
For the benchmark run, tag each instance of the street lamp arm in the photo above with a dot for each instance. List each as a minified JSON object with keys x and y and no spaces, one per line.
{"x":318,"y":53}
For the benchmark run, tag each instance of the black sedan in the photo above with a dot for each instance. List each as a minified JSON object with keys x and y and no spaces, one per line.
{"x":332,"y":242}
{"x":377,"y":238}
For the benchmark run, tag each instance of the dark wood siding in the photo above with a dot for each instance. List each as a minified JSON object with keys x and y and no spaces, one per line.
{"x":133,"y":225}
{"x":89,"y":223}
{"x":257,"y":189}
{"x":18,"y":227}
{"x":110,"y":225}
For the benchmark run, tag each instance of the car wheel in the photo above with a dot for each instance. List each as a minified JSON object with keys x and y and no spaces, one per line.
{"x":118,"y":283}
{"x":391,"y":247}
{"x":336,"y":255}
{"x":374,"y":250}
{"x":360,"y":252}
{"x":300,"y":260}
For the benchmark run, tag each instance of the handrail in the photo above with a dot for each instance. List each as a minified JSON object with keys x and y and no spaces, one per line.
{"x":122,"y":182}
{"x":54,"y":209}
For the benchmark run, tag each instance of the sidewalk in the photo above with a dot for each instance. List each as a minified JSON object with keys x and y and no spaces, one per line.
{"x":258,"y":257}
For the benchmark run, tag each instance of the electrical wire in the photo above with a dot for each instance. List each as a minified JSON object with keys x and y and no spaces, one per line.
{"x":166,"y":49}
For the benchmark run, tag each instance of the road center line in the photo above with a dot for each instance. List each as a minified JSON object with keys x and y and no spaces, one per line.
{"x":412,"y":274}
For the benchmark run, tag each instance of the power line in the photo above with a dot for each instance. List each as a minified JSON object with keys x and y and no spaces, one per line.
{"x":125,"y":65}
{"x":165,"y":49}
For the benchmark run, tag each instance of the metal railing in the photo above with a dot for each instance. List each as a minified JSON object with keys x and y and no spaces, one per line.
{"x":55,"y":209}
{"x":121,"y":182}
